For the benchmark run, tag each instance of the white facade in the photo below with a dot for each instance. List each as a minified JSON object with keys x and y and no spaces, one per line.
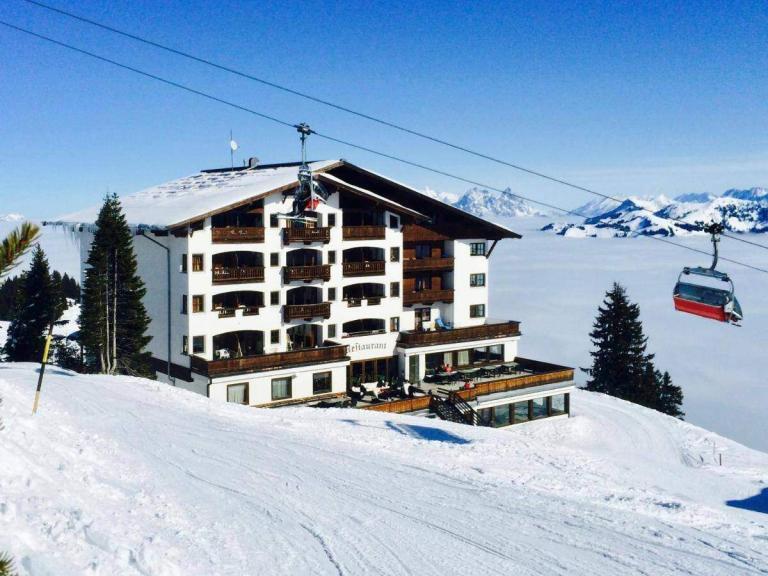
{"x":197,"y":328}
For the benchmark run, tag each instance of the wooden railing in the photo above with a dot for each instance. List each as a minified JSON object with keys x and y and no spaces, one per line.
{"x":364,"y":232}
{"x":237,"y":234}
{"x":418,"y":264}
{"x":414,"y":338}
{"x":368,"y":268}
{"x":298,"y":311}
{"x":427,"y":297}
{"x":333,"y":353}
{"x":307,"y":273}
{"x":399,"y":406}
{"x":226,"y":275}
{"x":306,"y":235}
{"x":231,"y":312}
{"x":418,"y":233}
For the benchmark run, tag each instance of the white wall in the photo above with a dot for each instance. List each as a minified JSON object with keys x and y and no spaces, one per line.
{"x":464,"y":295}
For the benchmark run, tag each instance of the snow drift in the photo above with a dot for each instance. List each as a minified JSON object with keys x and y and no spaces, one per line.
{"x":119,"y":475}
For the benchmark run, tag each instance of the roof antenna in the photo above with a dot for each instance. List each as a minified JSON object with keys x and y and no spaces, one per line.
{"x":232,"y":148}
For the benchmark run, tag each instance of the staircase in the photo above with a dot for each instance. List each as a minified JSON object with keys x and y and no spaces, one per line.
{"x":455,"y":409}
{"x":445,"y":410}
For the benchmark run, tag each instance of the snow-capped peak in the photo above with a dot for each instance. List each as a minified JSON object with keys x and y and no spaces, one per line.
{"x":12,"y":217}
{"x":485,"y":203}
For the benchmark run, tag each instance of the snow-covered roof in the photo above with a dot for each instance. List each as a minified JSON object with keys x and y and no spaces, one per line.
{"x":185,"y":199}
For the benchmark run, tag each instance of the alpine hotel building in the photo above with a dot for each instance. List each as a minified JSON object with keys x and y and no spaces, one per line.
{"x":249,"y":306}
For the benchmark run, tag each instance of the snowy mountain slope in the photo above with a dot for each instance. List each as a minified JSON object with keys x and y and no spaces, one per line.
{"x":486,"y":203}
{"x":738,"y":210}
{"x":59,"y":246}
{"x":128,"y":476}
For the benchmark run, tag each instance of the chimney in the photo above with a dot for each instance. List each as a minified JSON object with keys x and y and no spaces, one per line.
{"x":253,"y":162}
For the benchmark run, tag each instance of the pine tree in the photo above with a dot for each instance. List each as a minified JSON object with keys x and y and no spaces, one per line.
{"x":6,"y":565}
{"x":16,"y":244}
{"x":621,"y":366}
{"x":39,"y":303}
{"x":113,"y":320}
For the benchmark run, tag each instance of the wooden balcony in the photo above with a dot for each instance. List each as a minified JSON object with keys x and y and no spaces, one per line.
{"x":364,"y":232}
{"x":418,"y":233}
{"x":238,"y":274}
{"x":237,"y":234}
{"x":232,"y":312}
{"x":414,"y":338}
{"x":427,"y":297}
{"x":368,"y":268}
{"x":303,"y":311}
{"x":329,"y":353}
{"x":420,"y":264}
{"x":307,"y":273}
{"x":306,"y":235}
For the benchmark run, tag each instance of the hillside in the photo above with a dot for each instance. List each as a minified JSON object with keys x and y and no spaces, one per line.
{"x":128,"y":476}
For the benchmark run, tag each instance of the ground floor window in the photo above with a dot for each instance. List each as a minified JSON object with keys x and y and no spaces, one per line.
{"x":237,"y":393}
{"x":463,"y":358}
{"x":520,"y":412}
{"x":501,"y":415}
{"x":539,"y":408}
{"x":374,"y":370}
{"x":281,"y":388}
{"x":558,"y":405}
{"x":322,"y":382}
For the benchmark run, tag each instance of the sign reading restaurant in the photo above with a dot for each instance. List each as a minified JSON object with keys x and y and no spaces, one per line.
{"x":362,"y":347}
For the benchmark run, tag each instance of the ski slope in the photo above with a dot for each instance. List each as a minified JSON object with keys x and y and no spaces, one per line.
{"x":119,"y":475}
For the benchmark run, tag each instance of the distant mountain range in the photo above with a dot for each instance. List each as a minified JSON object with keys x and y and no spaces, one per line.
{"x":738,"y":210}
{"x":13,"y":217}
{"x":486,"y":203}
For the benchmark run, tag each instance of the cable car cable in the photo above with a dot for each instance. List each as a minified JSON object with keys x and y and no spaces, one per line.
{"x":369,"y":117}
{"x":328,"y":137}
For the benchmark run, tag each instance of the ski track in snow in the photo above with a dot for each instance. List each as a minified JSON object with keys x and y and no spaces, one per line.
{"x":126,"y":476}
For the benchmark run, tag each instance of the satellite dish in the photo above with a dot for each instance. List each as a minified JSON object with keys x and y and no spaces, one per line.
{"x":233,"y":145}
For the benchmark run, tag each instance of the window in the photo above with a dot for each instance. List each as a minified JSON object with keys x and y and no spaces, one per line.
{"x":332,"y":257}
{"x":184,"y":263}
{"x":477,"y":279}
{"x":539,"y":408}
{"x":198,"y":303}
{"x":184,"y":344}
{"x":558,"y":404}
{"x":394,"y":289}
{"x":463,"y":358}
{"x":394,"y":324}
{"x":281,"y":388}
{"x":477,"y":248}
{"x":521,"y":412}
{"x":477,"y":311}
{"x":322,"y":382}
{"x":183,"y":303}
{"x":496,"y":353}
{"x":422,"y":282}
{"x":394,"y":254}
{"x":423,"y":314}
{"x":332,"y":331}
{"x":274,"y":259}
{"x":501,"y":415}
{"x":331,"y":294}
{"x":273,"y":221}
{"x":198,"y":344}
{"x":274,"y":337}
{"x":238,"y":393}
{"x":331,"y":220}
{"x":197,"y":262}
{"x":394,"y":221}
{"x":423,"y":251}
{"x":413,"y":369}
{"x":274,"y":298}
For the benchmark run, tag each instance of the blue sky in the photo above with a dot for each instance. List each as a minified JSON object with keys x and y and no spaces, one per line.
{"x":625,"y":97}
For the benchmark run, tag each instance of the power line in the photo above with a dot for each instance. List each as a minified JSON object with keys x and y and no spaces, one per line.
{"x":328,"y":137}
{"x":369,"y":117}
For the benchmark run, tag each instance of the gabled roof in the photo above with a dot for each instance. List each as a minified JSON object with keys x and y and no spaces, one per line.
{"x":208,"y":192}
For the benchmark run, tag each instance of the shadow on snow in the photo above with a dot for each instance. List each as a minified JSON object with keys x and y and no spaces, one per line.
{"x":756,"y":503}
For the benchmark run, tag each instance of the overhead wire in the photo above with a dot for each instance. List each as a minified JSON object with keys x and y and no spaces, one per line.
{"x":370,"y":117}
{"x":330,"y":138}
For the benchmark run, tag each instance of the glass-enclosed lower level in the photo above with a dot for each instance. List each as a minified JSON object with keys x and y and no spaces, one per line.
{"x":521,"y":411}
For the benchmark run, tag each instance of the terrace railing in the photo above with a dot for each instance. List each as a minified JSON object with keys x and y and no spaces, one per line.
{"x":237,"y":274}
{"x":263,"y":362}
{"x":307,"y":273}
{"x":367,"y":268}
{"x":427,"y":297}
{"x":237,"y":234}
{"x":299,"y":311}
{"x":364,"y":232}
{"x":306,"y":235}
{"x":415,"y":338}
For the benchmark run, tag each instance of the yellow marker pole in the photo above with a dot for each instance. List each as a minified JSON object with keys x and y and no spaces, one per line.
{"x":42,"y":367}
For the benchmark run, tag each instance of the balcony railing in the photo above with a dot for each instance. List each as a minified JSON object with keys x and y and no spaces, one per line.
{"x":307,"y":273}
{"x":427,"y":297}
{"x":299,"y":311}
{"x":368,"y":268}
{"x":364,"y":232}
{"x":419,"y":264}
{"x":237,"y":274}
{"x":306,"y":235}
{"x":232,"y":312}
{"x":237,"y":234}
{"x":329,"y":353}
{"x":415,"y":338}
